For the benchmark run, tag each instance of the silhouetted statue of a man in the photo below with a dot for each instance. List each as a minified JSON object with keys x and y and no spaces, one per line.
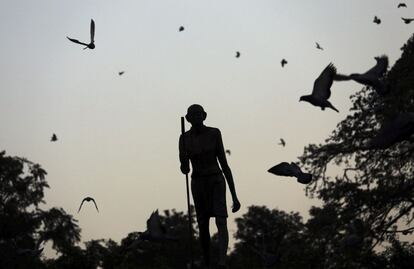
{"x":203,"y":146}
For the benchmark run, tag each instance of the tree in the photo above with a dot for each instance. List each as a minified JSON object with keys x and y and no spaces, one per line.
{"x":23,"y":225}
{"x":376,"y":186}
{"x":262,"y":231}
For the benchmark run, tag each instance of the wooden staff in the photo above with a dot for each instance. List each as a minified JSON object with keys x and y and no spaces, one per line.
{"x":190,"y":225}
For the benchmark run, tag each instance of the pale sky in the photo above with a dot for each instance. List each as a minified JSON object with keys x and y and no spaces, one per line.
{"x":118,"y":136}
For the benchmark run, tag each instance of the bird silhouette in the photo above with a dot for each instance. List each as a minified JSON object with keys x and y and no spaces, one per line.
{"x":88,"y":199}
{"x":156,"y":232}
{"x":407,"y":20}
{"x":318,"y":46}
{"x":398,"y":129}
{"x":228,"y":152}
{"x":377,"y":20}
{"x":283,"y":62}
{"x":291,"y":170}
{"x":181,"y":29}
{"x":282,"y":142}
{"x":373,"y":77}
{"x":121,"y":73}
{"x":91,"y":44}
{"x":322,"y":89}
{"x":402,"y":5}
{"x":238,"y":54}
{"x":54,"y":138}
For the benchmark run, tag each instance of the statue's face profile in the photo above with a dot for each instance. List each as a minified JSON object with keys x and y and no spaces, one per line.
{"x":196,"y":115}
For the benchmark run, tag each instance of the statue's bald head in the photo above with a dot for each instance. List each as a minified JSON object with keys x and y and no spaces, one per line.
{"x":195,"y":114}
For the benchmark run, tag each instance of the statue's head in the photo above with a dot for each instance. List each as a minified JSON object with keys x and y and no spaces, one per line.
{"x":196,"y":115}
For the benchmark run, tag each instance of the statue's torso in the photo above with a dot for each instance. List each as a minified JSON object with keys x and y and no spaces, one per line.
{"x":202,"y":148}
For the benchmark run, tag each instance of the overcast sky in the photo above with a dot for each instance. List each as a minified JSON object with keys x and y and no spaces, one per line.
{"x":118,"y":135}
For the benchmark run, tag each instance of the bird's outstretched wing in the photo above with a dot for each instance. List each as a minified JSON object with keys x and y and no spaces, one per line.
{"x":154,"y":226}
{"x":282,"y":169}
{"x":76,"y":41}
{"x":81,"y":204}
{"x":92,"y":31}
{"x":340,"y":77}
{"x":379,"y":69}
{"x":322,"y":85}
{"x":93,"y":200}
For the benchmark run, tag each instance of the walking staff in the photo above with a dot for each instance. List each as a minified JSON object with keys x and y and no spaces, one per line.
{"x":190,"y":224}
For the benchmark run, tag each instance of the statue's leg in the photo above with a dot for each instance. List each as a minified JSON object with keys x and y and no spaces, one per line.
{"x":203,"y":225}
{"x":223,"y":236}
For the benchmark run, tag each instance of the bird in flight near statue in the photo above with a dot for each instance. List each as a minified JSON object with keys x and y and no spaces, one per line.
{"x":91,"y":45}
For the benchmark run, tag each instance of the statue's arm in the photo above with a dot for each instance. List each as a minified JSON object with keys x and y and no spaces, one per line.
{"x":221,"y":156}
{"x":184,"y":160}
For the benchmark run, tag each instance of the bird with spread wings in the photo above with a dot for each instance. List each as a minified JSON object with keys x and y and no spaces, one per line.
{"x":322,"y":89}
{"x":374,"y":76}
{"x":91,"y":44}
{"x":88,"y":199}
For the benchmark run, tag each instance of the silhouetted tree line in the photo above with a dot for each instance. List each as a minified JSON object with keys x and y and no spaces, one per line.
{"x":367,"y":210}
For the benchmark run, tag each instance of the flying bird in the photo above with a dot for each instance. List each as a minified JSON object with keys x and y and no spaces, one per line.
{"x":228,"y":152}
{"x":377,"y":20}
{"x":398,"y":129}
{"x":322,"y":89}
{"x":407,"y":20}
{"x":155,"y":230}
{"x":283,"y":62}
{"x":88,"y":199}
{"x":282,"y":142}
{"x":181,"y":29}
{"x":291,"y":170}
{"x":402,"y":5}
{"x":54,"y":138}
{"x":91,"y":44}
{"x":373,"y":77}
{"x":318,"y":46}
{"x":238,"y":54}
{"x":121,"y":73}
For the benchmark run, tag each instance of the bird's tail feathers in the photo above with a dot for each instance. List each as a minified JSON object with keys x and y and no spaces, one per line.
{"x":332,"y":107}
{"x":304,"y":178}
